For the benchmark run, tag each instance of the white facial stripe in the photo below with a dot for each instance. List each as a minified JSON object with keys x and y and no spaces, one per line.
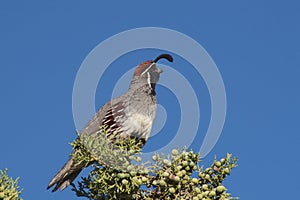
{"x":147,"y":69}
{"x":148,"y":79}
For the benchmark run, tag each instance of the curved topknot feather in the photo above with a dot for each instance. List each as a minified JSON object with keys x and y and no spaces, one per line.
{"x":164,"y":56}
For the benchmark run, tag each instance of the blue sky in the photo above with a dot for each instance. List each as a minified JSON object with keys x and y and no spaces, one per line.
{"x":255,"y":45}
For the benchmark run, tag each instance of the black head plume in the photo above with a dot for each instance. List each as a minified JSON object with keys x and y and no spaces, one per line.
{"x":165,"y":56}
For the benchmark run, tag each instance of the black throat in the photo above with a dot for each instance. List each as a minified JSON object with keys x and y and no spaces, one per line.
{"x":153,"y":89}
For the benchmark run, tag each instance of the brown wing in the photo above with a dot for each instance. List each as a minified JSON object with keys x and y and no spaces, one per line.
{"x":107,"y":116}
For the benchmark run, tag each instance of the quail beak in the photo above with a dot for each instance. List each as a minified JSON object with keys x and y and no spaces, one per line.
{"x":159,"y":70}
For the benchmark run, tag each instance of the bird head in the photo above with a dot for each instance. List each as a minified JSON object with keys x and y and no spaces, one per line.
{"x":148,"y":73}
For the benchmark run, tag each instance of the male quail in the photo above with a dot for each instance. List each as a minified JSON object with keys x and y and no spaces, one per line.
{"x":129,"y":115}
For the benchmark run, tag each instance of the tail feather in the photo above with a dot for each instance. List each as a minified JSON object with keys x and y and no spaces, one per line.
{"x":66,"y":175}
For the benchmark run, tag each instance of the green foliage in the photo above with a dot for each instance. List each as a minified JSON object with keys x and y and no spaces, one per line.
{"x":176,"y":176}
{"x":96,"y":147}
{"x":9,"y":189}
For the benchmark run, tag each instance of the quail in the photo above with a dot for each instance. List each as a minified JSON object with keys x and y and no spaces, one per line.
{"x":129,"y":115}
